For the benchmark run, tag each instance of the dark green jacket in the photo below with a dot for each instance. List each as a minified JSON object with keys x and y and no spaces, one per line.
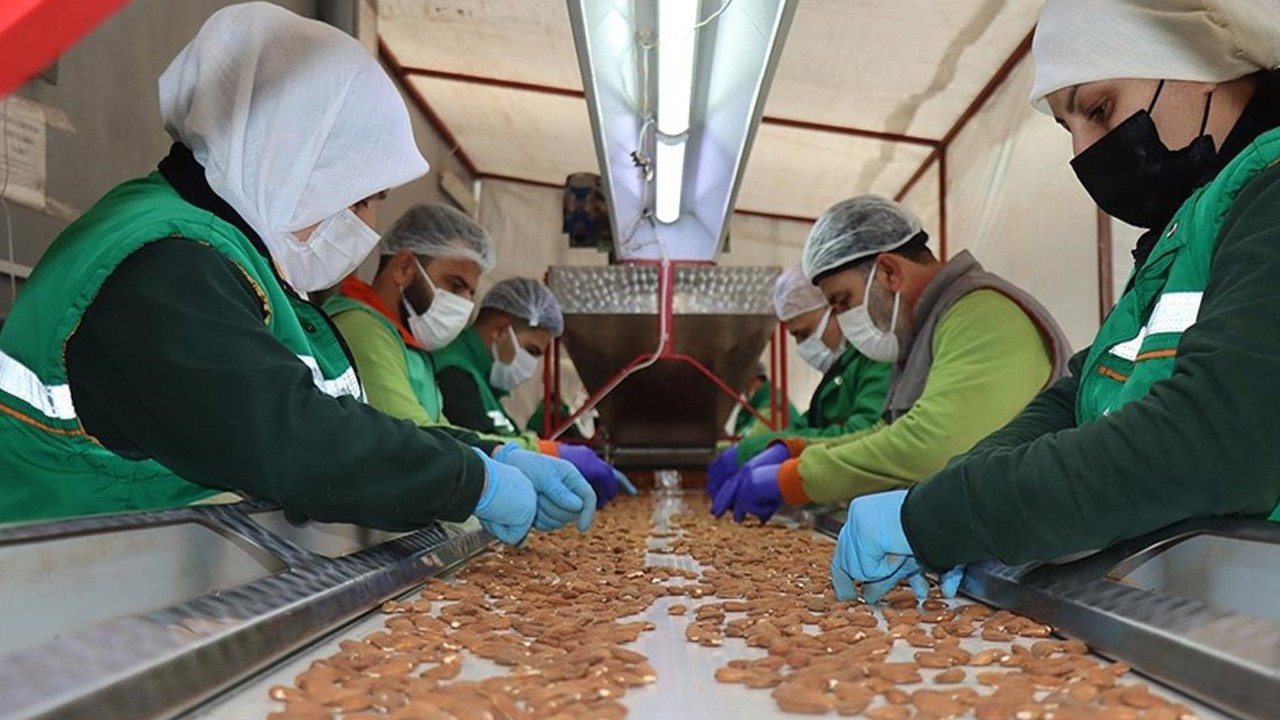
{"x":462,"y":372}
{"x":1201,"y":443}
{"x":849,"y":398}
{"x":173,"y":361}
{"x":762,"y":403}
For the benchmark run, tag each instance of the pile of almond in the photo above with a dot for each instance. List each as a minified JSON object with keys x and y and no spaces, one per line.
{"x":558,"y":613}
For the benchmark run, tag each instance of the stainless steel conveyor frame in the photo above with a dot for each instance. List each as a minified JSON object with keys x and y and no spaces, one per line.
{"x":149,"y":614}
{"x":1195,"y":606}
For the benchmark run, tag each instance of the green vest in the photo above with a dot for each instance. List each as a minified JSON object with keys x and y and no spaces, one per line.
{"x":422,"y":374}
{"x":832,"y":403}
{"x":50,"y":466}
{"x":469,"y":354}
{"x":1138,"y":343}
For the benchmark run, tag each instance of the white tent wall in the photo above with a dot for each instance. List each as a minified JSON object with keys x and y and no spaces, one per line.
{"x":1014,"y":202}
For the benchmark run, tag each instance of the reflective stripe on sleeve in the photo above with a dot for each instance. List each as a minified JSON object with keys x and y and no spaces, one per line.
{"x":16,"y":379}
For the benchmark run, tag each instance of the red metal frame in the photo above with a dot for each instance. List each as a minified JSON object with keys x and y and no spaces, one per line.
{"x":666,"y":353}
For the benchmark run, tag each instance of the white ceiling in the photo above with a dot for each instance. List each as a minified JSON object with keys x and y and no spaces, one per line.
{"x":903,"y":67}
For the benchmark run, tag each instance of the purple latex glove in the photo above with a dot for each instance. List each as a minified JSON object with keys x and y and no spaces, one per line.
{"x":598,"y":473}
{"x":721,"y":469}
{"x":724,"y":496}
{"x":758,"y":494}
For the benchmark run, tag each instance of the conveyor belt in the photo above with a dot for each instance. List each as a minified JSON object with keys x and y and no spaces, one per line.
{"x":686,"y":685}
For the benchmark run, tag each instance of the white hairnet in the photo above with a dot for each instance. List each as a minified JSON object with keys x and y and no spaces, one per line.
{"x":291,"y":118}
{"x":854,"y":229}
{"x":439,"y":231}
{"x":794,"y":295}
{"x":528,"y":300}
{"x":1081,"y":41}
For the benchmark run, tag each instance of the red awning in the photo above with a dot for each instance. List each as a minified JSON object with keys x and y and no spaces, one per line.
{"x":33,"y":33}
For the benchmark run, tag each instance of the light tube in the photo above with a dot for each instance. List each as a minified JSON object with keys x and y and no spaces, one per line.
{"x":676,"y":42}
{"x":668,"y":179}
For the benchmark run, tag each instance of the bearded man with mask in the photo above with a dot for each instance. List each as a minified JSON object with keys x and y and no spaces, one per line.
{"x":519,"y":317}
{"x":969,"y":351}
{"x":165,"y":351}
{"x":849,"y":397}
{"x":1173,"y":107}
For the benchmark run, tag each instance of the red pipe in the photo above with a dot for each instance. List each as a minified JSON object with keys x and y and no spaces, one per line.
{"x":773,"y":376}
{"x":547,"y":374}
{"x":715,"y":380}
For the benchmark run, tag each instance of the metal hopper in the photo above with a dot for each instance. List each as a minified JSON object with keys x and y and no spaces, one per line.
{"x":664,"y":396}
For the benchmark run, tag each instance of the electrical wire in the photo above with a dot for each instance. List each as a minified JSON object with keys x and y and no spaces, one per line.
{"x":712,"y":18}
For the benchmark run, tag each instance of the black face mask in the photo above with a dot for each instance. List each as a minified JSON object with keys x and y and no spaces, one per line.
{"x":1134,"y":177}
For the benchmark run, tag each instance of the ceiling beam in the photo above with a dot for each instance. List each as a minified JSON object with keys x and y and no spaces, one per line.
{"x":520,"y":180}
{"x":575,"y":93}
{"x":1002,"y":73}
{"x":433,"y":118}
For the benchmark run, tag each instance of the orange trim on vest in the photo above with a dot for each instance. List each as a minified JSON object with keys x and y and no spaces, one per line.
{"x":1157,"y":354}
{"x":794,"y":445}
{"x":36,"y":423}
{"x":357,"y":289}
{"x":1108,"y":372}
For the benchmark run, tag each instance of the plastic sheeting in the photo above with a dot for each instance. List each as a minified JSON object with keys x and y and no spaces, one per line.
{"x":908,"y":67}
{"x":1014,"y":202}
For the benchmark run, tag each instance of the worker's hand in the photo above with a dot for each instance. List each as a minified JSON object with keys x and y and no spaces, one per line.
{"x":872,"y":548}
{"x":563,"y":494}
{"x":724,"y":497}
{"x":508,"y":504}
{"x":758,"y":494}
{"x":598,"y":473}
{"x":721,"y":469}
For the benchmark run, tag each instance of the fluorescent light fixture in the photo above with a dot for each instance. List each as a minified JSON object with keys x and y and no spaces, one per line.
{"x":676,"y":41}
{"x":668,"y":179}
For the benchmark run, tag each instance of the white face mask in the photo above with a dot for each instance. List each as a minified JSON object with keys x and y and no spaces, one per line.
{"x":509,"y":376}
{"x":335,"y":249}
{"x":444,"y":321}
{"x":859,"y":329}
{"x":814,"y":350}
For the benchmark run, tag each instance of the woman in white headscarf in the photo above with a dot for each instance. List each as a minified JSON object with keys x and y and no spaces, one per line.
{"x":164,"y":350}
{"x":1173,"y":107}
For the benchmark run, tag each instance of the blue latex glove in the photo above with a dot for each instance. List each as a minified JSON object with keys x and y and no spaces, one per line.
{"x":758,"y":494}
{"x":721,"y":469}
{"x":508,"y":503}
{"x":724,"y":498}
{"x":624,"y":483}
{"x":598,"y":473}
{"x":563,"y":494}
{"x":873,"y":548}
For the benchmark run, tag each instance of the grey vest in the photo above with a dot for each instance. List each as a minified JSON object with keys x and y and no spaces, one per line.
{"x":960,"y":276}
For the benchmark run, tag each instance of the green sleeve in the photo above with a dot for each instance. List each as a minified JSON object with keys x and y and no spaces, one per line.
{"x":1202,"y":443}
{"x":1051,"y":411}
{"x":379,"y":357}
{"x":173,"y":361}
{"x":989,"y":361}
{"x":864,"y":386}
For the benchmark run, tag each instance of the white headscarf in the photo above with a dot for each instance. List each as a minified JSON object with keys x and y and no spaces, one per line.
{"x":292,"y":119}
{"x":1081,"y":41}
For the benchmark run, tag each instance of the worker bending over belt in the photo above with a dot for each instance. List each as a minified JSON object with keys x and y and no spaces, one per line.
{"x":164,"y":350}
{"x":852,"y":390}
{"x":518,"y":319}
{"x":969,"y":349}
{"x":1174,"y":115}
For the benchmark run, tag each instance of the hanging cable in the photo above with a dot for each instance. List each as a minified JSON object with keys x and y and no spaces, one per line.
{"x":712,"y":18}
{"x":4,"y":205}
